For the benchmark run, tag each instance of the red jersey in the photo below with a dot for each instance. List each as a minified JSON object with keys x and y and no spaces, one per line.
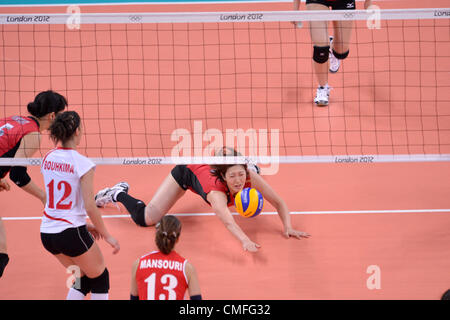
{"x":161,"y":276}
{"x":12,"y":130}
{"x":207,"y":182}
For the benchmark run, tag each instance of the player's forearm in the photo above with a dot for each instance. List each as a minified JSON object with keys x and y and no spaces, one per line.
{"x":237,"y":232}
{"x":296,"y":4}
{"x":35,"y":191}
{"x":283,"y":213}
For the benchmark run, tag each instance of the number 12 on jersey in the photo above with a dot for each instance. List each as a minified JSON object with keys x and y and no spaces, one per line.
{"x":51,"y":195}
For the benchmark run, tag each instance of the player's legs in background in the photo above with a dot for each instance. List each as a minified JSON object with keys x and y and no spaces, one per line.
{"x":342,"y":36}
{"x":321,"y":43}
{"x":165,"y":197}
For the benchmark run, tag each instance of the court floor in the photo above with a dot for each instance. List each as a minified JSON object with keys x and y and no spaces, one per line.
{"x":390,"y":217}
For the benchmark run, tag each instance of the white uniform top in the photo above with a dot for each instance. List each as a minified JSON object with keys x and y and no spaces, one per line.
{"x":62,"y":170}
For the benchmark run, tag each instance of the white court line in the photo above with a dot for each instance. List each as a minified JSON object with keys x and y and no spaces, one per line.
{"x":265,"y":213}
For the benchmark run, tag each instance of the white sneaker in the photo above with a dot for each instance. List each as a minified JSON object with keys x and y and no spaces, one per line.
{"x":335,"y":63}
{"x":108,"y":195}
{"x":322,"y":95}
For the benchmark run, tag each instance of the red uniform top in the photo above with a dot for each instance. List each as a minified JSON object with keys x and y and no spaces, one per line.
{"x":207,"y":182}
{"x":161,"y":276}
{"x":12,"y":130}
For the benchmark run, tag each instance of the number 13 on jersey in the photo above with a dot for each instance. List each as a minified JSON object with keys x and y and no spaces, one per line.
{"x":167,"y":281}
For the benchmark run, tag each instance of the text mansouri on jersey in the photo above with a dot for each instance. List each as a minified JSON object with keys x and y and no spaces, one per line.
{"x":161,"y":276}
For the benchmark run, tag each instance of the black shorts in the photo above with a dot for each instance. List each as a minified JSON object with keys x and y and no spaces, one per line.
{"x":187,"y":179}
{"x":336,"y":5}
{"x":71,"y":242}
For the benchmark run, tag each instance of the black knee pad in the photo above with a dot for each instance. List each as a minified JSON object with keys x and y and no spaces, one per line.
{"x":83,"y":285}
{"x":101,"y":283}
{"x":321,"y":54}
{"x":341,"y":56}
{"x":138,"y":215}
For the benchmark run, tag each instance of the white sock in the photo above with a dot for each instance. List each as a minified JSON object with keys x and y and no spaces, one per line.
{"x":74,"y":294}
{"x":99,"y":296}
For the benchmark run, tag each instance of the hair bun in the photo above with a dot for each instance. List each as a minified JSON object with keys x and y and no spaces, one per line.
{"x":33,"y":109}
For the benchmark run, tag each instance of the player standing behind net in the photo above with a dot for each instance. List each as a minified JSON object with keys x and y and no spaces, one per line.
{"x":164,"y":274}
{"x":216,"y":184}
{"x":68,"y":177}
{"x":327,"y":48}
{"x":20,"y":137}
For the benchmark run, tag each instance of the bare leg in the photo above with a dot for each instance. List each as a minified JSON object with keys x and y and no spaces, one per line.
{"x":165,"y":197}
{"x":91,"y":262}
{"x":3,"y":248}
{"x":319,"y":37}
{"x":342,"y":35}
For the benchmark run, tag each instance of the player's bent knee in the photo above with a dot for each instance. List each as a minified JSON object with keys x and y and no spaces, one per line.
{"x":152,"y":215}
{"x":341,"y":56}
{"x":100,"y":284}
{"x":321,"y":54}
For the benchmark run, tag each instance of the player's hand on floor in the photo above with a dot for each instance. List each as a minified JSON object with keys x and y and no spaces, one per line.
{"x":251,"y":246}
{"x":295,"y":233}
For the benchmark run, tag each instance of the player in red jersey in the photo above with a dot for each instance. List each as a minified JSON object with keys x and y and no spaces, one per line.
{"x":164,"y":274}
{"x":332,"y":49}
{"x":217,"y":185}
{"x":20,"y":137}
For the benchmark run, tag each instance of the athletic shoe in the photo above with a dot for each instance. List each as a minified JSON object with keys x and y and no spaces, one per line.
{"x":109,"y":195}
{"x":335,"y":63}
{"x":322,"y":95}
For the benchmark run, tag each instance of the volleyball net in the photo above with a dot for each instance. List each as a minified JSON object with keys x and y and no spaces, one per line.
{"x":165,"y":88}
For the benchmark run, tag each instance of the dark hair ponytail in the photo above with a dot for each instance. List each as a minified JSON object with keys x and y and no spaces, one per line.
{"x":47,"y":102}
{"x":64,"y":126}
{"x":167,"y":233}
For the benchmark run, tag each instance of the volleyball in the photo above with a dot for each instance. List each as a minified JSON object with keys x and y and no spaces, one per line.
{"x":249,"y":202}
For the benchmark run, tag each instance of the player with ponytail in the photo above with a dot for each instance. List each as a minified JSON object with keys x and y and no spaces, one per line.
{"x":68,"y":177}
{"x":164,"y":274}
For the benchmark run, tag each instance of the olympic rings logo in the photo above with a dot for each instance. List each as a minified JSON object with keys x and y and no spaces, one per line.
{"x":135,"y":19}
{"x":349,"y":15}
{"x":35,"y":162}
